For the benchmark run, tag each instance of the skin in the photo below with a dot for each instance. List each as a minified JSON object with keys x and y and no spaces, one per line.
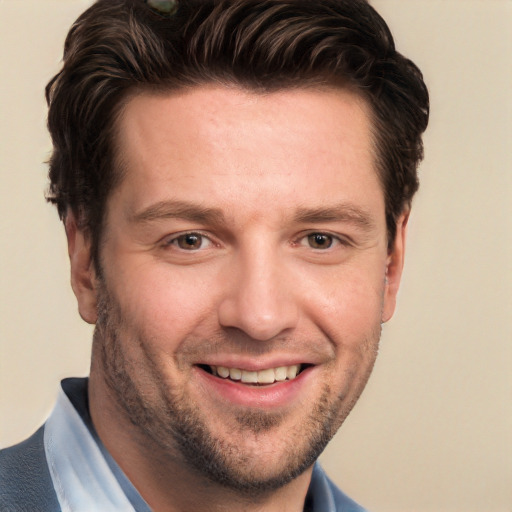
{"x":291,"y":265}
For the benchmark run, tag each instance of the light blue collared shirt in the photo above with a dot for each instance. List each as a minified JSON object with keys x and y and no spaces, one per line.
{"x":86,"y":477}
{"x":83,"y":477}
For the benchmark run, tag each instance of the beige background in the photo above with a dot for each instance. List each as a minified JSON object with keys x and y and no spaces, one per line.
{"x":433,"y":430}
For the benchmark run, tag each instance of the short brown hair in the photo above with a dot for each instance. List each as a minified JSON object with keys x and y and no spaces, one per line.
{"x":117,"y":47}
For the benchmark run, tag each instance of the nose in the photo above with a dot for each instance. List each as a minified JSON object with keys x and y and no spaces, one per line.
{"x":259,"y":298}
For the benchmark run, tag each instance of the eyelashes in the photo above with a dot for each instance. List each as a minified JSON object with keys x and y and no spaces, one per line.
{"x":193,"y":241}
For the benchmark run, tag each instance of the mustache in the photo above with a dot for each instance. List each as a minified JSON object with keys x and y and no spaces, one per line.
{"x":231,"y":341}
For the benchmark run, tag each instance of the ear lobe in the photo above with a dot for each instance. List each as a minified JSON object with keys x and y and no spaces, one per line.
{"x":83,"y":276}
{"x":394,"y":267}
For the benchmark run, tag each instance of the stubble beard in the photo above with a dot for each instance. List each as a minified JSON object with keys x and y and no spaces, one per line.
{"x":181,"y":432}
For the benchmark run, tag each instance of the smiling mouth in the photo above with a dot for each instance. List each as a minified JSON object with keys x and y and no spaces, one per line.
{"x":256,"y":378}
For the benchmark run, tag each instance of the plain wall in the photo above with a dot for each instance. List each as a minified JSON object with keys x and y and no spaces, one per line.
{"x":433,"y":430}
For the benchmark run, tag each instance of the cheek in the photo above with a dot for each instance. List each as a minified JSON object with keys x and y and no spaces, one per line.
{"x":349,"y":306}
{"x":162,"y":302}
{"x":352,"y":320}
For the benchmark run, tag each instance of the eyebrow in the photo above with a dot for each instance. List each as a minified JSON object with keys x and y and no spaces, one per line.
{"x":178,"y":210}
{"x":339,"y":213}
{"x":207,"y":215}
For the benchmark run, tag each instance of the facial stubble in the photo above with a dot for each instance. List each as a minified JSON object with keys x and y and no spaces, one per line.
{"x":181,"y":432}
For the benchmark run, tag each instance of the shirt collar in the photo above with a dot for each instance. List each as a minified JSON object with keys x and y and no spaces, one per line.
{"x":82,"y":477}
{"x":86,"y":477}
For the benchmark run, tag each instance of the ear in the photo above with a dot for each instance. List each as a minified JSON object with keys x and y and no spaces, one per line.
{"x":394,"y":266}
{"x":83,"y":275}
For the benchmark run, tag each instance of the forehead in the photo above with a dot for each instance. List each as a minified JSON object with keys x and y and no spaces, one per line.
{"x":212,"y":143}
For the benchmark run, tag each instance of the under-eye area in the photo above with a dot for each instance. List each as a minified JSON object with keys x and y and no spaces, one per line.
{"x":264,"y":377}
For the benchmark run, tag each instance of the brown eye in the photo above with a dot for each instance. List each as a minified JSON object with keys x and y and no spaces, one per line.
{"x":190,"y":241}
{"x":320,"y":241}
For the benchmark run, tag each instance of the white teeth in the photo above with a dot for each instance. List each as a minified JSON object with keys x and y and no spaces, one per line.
{"x":223,"y":372}
{"x":291,"y":371}
{"x":249,"y":377}
{"x":235,"y":374}
{"x":267,"y":376}
{"x":281,"y":373}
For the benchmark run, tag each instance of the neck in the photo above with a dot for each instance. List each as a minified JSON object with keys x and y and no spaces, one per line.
{"x":165,"y":481}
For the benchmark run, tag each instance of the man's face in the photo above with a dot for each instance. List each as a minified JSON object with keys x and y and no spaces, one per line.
{"x":245,"y":244}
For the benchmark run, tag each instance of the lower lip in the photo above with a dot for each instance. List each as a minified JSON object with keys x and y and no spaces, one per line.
{"x":278,"y":394}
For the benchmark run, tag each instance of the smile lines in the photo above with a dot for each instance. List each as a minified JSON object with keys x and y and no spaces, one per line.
{"x":267,"y":376}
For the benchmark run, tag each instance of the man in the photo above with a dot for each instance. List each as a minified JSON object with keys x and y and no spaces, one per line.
{"x":235,"y":179}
